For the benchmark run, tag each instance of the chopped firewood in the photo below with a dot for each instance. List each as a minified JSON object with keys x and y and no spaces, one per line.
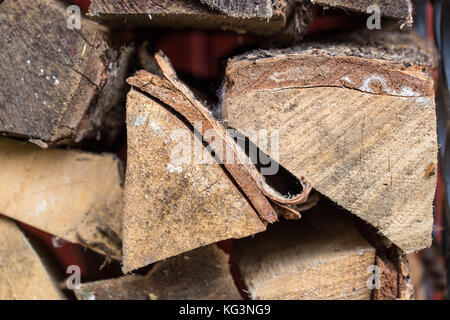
{"x":76,"y":196}
{"x":322,"y":256}
{"x":285,"y":17}
{"x":243,"y":8}
{"x":399,"y":9}
{"x":174,"y":206}
{"x":394,"y":277}
{"x":417,"y":276}
{"x":23,"y":276}
{"x":63,"y":85}
{"x":355,"y":117}
{"x":202,"y":274}
{"x":312,"y":163}
{"x":405,"y":285}
{"x":176,"y":95}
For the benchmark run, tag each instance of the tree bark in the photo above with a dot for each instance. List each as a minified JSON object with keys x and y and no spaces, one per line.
{"x":322,"y":256}
{"x":173,"y":206}
{"x":73,"y":195}
{"x":356,"y":118}
{"x":58,"y":86}
{"x":397,"y":9}
{"x":201,"y":274}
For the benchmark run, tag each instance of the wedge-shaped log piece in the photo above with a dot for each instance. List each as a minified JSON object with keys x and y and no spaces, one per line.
{"x":58,"y":84}
{"x":322,"y":256}
{"x":284,"y":18}
{"x":73,"y":195}
{"x":356,"y":118}
{"x":396,"y":9}
{"x":201,"y":274}
{"x":173,"y":207}
{"x":23,"y":276}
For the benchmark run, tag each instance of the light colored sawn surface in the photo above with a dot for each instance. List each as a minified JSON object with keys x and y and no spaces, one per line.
{"x":73,"y":195}
{"x":312,"y":259}
{"x":173,"y":207}
{"x":200,"y":274}
{"x":22,"y":274}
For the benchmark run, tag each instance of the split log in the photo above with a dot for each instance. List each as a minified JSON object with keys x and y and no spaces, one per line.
{"x":322,"y":256}
{"x":388,"y":277}
{"x":173,"y":207}
{"x":23,"y":276}
{"x":162,"y":90}
{"x":202,"y":274}
{"x":417,"y":276}
{"x":355,"y":117}
{"x":392,"y":272}
{"x":73,"y":195}
{"x":394,"y":278}
{"x":57,"y":85}
{"x":398,"y":9}
{"x":165,"y":86}
{"x":286,"y":17}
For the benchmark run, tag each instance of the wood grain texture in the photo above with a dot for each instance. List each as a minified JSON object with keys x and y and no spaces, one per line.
{"x":355,"y":117}
{"x":169,"y":89}
{"x":388,"y":279}
{"x":74,"y":195}
{"x":174,"y":207}
{"x":397,"y":9}
{"x":201,"y":274}
{"x":194,"y":14}
{"x":57,"y":85}
{"x":417,"y":276}
{"x":319,"y":257}
{"x":23,"y":276}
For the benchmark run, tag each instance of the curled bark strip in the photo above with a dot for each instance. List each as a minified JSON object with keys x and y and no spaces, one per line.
{"x":242,"y":158}
{"x":293,"y":211}
{"x":178,"y":96}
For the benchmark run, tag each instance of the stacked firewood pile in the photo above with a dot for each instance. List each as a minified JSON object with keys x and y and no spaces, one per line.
{"x":317,"y":155}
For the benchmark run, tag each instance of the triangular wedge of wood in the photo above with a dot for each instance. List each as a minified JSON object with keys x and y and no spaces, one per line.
{"x":201,"y":274}
{"x":174,"y":207}
{"x":398,"y":9}
{"x":356,"y":118}
{"x":321,"y":257}
{"x":23,"y":275}
{"x":66,"y":84}
{"x":74,"y":195}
